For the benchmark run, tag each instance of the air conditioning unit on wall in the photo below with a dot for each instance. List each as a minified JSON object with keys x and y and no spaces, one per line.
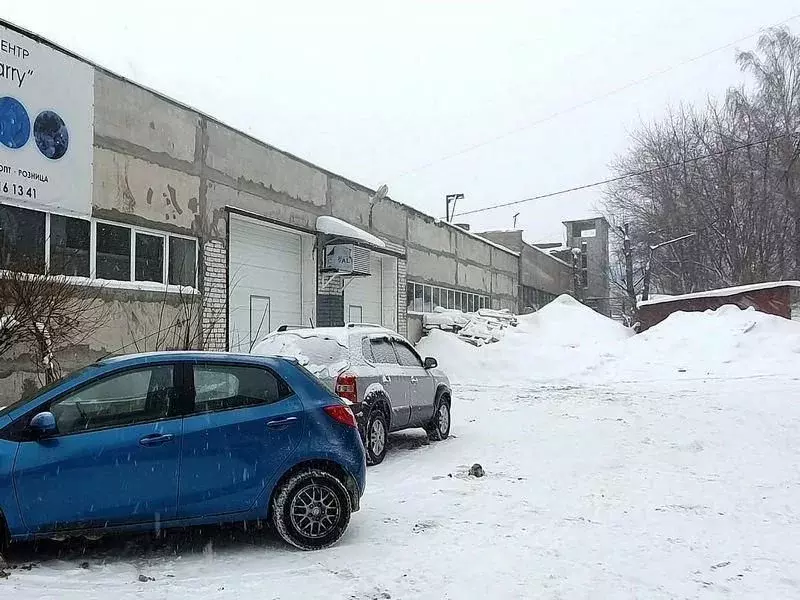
{"x":346,"y":259}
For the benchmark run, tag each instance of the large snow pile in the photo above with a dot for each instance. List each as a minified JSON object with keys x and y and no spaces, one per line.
{"x":568,"y":341}
{"x":727,"y":342}
{"x":563,"y":338}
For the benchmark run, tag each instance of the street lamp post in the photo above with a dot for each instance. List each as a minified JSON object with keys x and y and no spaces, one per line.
{"x":447,"y":200}
{"x":379,"y":195}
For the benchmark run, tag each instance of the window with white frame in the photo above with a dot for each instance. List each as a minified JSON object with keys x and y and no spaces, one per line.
{"x":37,"y":242}
{"x":425,"y":298}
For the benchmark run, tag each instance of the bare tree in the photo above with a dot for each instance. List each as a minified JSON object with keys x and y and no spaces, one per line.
{"x":47,"y":314}
{"x":728,"y":171}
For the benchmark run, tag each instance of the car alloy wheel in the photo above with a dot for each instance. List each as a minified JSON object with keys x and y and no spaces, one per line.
{"x":311,"y":510}
{"x":315,"y":510}
{"x":377,"y":437}
{"x":444,"y":420}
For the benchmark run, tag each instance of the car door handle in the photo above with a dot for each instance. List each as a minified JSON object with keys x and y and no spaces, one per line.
{"x":414,"y":380}
{"x":156,"y":439}
{"x":278,"y":423}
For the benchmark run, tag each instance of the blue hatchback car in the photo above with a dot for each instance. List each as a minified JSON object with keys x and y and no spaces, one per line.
{"x":175,"y":439}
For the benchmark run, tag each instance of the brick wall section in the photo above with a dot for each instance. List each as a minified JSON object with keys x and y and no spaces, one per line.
{"x":215,"y":289}
{"x":402,"y":301}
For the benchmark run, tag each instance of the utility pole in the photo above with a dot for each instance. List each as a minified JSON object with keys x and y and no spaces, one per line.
{"x":627,"y":252}
{"x":648,"y":267}
{"x":576,"y":277}
{"x":447,"y":200}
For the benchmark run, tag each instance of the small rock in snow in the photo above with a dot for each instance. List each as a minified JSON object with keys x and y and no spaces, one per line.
{"x":476,"y":470}
{"x":720,"y":565}
{"x":145,"y":578}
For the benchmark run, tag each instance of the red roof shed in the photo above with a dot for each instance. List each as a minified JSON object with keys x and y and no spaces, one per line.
{"x":774,"y":298}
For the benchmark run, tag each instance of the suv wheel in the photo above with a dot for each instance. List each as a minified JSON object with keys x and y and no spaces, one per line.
{"x":439,"y":427}
{"x":311,"y":510}
{"x":376,"y":437}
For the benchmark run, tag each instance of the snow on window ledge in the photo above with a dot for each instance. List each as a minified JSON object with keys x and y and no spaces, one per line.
{"x":140,"y":286}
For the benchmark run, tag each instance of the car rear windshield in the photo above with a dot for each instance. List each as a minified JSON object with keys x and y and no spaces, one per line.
{"x":324,"y":356}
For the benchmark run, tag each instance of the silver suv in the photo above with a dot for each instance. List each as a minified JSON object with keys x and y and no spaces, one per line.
{"x":375,"y":369}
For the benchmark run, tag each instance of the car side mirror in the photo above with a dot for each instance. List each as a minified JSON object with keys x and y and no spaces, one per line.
{"x":42,"y":425}
{"x":430,"y":363}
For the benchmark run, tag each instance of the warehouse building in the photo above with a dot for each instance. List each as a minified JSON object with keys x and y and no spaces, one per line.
{"x":186,"y":224}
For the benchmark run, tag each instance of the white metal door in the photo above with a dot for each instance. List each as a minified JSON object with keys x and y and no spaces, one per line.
{"x":264,"y":281}
{"x":374,"y":298}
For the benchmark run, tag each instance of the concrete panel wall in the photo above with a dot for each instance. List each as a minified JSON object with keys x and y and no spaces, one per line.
{"x":474,"y":278}
{"x":137,"y":116}
{"x":391,"y":219}
{"x":219,"y":196}
{"x":503,"y":261}
{"x":425,"y":233}
{"x":468,"y":248}
{"x":349,"y":203}
{"x":124,"y":322}
{"x":247,"y":161}
{"x":143,"y":192}
{"x":544,"y":273}
{"x":430,"y":267}
{"x":504,"y":285}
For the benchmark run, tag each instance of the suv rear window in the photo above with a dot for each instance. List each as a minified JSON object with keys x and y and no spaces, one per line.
{"x":317,"y":353}
{"x":383,"y":352}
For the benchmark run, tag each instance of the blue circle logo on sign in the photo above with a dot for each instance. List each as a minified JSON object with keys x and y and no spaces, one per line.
{"x":15,"y":125}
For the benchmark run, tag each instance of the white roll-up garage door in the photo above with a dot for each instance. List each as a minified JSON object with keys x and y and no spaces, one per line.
{"x":373,"y":299}
{"x":264,"y":281}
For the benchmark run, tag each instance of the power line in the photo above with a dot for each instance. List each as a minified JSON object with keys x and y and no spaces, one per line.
{"x":628,"y":175}
{"x":592,"y":100}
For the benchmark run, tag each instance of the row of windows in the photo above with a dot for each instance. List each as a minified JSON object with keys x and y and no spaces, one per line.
{"x":424,"y":298}
{"x":535,"y":298}
{"x":150,"y":394}
{"x":32,"y":241}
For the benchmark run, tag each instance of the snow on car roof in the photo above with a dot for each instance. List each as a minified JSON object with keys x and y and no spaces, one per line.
{"x":722,"y":292}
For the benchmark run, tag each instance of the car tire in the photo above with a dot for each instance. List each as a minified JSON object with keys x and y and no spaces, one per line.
{"x":439,"y":427}
{"x":311,"y":510}
{"x":376,"y":436}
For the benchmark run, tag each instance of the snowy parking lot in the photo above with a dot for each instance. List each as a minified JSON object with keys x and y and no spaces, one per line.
{"x":613,"y":470}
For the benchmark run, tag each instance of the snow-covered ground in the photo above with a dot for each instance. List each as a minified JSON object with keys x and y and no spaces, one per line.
{"x":665,"y":465}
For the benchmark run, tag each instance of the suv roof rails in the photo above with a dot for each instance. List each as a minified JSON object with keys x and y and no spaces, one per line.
{"x":288,"y":327}
{"x":372,"y":325}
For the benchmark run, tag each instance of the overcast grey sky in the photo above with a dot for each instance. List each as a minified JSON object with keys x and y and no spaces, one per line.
{"x":384,"y":92}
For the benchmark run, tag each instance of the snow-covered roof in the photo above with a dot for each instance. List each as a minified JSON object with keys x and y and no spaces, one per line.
{"x":549,"y":255}
{"x":339,"y":228}
{"x":722,"y":292}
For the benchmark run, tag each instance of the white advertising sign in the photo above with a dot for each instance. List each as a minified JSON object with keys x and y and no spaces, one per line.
{"x":46,"y":126}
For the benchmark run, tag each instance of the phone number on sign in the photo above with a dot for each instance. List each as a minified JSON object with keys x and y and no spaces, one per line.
{"x":15,"y":189}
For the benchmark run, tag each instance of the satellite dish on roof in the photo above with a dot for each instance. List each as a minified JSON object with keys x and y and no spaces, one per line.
{"x":380,"y":194}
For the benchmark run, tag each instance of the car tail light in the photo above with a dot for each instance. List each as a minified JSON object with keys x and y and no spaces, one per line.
{"x":346,"y":387}
{"x":342,"y":414}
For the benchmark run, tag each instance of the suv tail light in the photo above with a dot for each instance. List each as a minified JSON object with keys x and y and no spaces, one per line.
{"x":346,"y":387}
{"x":341,"y":414}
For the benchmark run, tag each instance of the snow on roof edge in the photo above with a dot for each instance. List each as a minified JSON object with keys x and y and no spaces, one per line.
{"x":549,"y":255}
{"x":477,"y":236}
{"x":722,"y":292}
{"x":340,"y":228}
